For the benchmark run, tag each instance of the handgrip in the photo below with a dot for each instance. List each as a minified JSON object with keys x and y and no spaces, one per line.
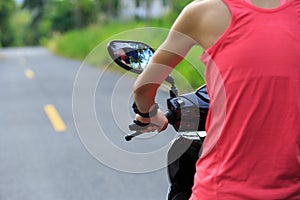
{"x":138,"y":127}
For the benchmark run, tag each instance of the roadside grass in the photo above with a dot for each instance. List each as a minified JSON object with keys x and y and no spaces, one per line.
{"x":89,"y":44}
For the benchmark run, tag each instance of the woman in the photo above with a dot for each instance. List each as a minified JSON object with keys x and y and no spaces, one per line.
{"x":252,"y":58}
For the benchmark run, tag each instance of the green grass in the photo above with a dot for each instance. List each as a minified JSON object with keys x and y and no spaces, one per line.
{"x":90,"y":45}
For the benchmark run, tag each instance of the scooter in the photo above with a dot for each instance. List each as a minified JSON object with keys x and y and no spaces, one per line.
{"x":186,"y":113}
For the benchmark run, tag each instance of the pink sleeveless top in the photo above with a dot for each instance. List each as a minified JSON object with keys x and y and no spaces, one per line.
{"x":252,"y":149}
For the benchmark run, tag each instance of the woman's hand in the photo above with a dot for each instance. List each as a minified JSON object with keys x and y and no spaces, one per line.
{"x":159,"y":120}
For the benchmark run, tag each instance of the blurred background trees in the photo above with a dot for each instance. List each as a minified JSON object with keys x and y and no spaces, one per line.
{"x":28,"y":22}
{"x":72,"y":28}
{"x":7,"y":9}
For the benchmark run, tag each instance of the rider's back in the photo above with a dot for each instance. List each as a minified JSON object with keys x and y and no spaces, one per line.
{"x":252,"y":149}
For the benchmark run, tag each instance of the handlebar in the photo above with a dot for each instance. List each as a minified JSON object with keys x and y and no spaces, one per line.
{"x":138,"y":127}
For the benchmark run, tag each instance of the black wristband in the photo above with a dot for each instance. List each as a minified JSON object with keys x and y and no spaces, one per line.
{"x":150,"y":114}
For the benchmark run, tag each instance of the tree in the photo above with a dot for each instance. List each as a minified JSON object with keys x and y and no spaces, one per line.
{"x":61,"y":14}
{"x":109,"y":7}
{"x":7,"y":9}
{"x":37,"y":8}
{"x":85,"y":12}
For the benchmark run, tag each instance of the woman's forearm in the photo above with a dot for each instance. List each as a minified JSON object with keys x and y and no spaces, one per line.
{"x":144,"y":97}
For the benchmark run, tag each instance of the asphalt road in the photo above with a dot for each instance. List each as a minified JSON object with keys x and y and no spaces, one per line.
{"x":42,"y":154}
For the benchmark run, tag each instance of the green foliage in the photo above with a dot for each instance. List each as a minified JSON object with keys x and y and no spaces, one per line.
{"x":61,"y":14}
{"x":46,"y":17}
{"x":78,"y":26}
{"x":34,"y":4}
{"x":37,"y":8}
{"x":110,"y":7}
{"x":7,"y":8}
{"x":50,"y":16}
{"x":191,"y":69}
{"x":79,"y":44}
{"x":76,"y":44}
{"x":20,"y":24}
{"x":84,"y":12}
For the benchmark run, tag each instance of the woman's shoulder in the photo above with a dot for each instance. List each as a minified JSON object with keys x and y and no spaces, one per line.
{"x":204,"y":4}
{"x":204,"y":20}
{"x":205,"y":7}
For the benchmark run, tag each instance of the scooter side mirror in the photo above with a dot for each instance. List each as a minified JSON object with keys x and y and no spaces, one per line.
{"x":133,"y":56}
{"x":130,"y":55}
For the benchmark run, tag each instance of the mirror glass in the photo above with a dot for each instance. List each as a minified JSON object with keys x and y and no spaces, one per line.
{"x":130,"y":55}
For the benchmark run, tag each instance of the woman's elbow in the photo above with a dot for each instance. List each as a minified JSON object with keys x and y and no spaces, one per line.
{"x":144,"y":91}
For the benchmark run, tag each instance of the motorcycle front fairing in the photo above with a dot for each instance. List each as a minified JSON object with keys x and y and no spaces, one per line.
{"x":189,"y":110}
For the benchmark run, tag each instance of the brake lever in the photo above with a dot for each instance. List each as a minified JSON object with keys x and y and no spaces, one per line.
{"x":138,"y":127}
{"x":129,"y":137}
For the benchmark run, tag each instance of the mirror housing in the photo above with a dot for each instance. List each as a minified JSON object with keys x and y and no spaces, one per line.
{"x":130,"y":55}
{"x":133,"y":56}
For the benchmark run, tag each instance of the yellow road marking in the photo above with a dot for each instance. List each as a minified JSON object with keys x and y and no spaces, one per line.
{"x":29,"y":73}
{"x":55,"y":119}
